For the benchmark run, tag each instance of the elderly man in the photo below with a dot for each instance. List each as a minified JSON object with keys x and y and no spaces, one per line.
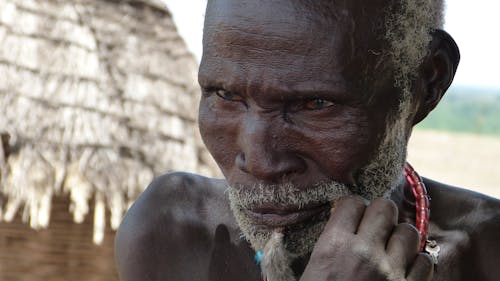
{"x":307,"y":107}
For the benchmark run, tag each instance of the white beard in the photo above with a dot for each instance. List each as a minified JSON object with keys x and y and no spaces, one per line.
{"x":378,"y":179}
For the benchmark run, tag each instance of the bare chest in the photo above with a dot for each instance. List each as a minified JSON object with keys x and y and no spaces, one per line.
{"x":453,"y":255}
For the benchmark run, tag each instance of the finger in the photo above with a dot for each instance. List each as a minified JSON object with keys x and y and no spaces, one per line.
{"x":346,"y":215}
{"x":403,"y":245}
{"x":422,"y":269}
{"x":378,"y":221}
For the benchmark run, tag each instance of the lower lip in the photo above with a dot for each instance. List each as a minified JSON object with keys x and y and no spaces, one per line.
{"x":274,"y":220}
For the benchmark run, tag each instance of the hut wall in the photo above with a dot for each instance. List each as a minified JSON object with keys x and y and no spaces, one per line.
{"x":62,"y":252}
{"x":97,"y":97}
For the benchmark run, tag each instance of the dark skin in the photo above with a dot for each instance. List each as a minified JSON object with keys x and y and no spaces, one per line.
{"x":286,"y":97}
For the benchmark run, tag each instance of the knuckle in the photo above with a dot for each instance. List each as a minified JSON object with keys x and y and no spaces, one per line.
{"x":364,"y":250}
{"x":407,"y":229}
{"x":339,"y":240}
{"x":399,"y":238}
{"x":406,"y":234}
{"x":328,"y":248}
{"x":321,"y":254}
{"x":384,"y":207}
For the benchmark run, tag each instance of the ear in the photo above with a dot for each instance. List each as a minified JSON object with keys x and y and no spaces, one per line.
{"x":436,"y":72}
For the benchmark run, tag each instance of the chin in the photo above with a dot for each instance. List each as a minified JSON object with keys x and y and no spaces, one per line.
{"x":299,"y":239}
{"x":301,"y":235}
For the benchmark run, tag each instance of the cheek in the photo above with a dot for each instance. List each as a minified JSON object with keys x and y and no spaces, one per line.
{"x":338,"y":148}
{"x":219,"y":133}
{"x":350,"y":151}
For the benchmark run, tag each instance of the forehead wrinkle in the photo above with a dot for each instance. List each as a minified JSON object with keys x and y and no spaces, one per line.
{"x":227,"y":38}
{"x":276,"y":13}
{"x":318,"y":56}
{"x":252,"y":79}
{"x":282,"y":24}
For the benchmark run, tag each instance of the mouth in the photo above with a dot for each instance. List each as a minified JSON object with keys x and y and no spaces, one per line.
{"x":273,"y":216}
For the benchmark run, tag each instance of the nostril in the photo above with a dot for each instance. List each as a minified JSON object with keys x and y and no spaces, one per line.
{"x":292,"y":165}
{"x":241,"y":162}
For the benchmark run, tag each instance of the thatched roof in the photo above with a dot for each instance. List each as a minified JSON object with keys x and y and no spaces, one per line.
{"x":97,"y":97}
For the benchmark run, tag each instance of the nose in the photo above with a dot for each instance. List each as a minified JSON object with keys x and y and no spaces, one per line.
{"x":265,"y":153}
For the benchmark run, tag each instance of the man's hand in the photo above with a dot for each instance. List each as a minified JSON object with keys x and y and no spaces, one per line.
{"x":367,"y":243}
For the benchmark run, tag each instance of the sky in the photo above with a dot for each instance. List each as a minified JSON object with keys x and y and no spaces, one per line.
{"x":475,"y":26}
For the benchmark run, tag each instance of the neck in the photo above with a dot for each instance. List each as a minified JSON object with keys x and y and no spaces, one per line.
{"x":405,"y":201}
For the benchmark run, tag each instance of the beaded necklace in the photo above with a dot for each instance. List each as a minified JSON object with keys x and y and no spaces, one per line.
{"x":421,"y":203}
{"x":422,"y":215}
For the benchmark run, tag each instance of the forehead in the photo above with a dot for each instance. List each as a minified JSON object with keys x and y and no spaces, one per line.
{"x":284,"y":41}
{"x":272,"y":18}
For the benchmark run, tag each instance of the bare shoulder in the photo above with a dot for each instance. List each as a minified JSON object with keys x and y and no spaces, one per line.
{"x":459,"y":207}
{"x":467,"y":226}
{"x":179,"y":198}
{"x":176,"y":216}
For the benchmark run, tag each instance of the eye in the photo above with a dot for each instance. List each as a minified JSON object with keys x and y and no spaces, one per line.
{"x":317,"y":104}
{"x":229,"y":95}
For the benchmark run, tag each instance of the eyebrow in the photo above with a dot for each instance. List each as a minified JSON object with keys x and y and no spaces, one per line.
{"x":331,"y":94}
{"x":314,"y":89}
{"x":301,"y":89}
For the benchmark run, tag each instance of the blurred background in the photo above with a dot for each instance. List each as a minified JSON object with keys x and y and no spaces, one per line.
{"x":98,"y":97}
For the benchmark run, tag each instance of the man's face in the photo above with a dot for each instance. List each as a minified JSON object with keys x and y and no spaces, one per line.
{"x":294,"y":109}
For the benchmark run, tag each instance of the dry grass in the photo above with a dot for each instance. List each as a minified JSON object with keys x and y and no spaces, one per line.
{"x":463,"y":160}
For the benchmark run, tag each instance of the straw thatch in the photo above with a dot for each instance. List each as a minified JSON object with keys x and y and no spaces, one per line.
{"x":97,"y":97}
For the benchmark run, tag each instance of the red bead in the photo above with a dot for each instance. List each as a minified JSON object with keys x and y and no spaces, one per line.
{"x":421,"y":202}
